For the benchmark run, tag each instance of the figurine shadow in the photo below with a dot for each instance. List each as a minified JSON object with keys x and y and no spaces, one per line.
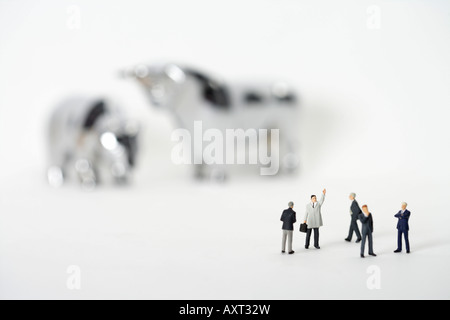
{"x":427,"y":244}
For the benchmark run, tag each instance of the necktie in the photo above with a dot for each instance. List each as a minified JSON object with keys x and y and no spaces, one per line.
{"x":313,"y":205}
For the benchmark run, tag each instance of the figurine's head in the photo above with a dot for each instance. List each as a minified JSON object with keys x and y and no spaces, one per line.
{"x":365,"y":209}
{"x":352,"y":196}
{"x":171,"y":85}
{"x":116,"y":138}
{"x":404,"y":205}
{"x":159,"y":81}
{"x":291,"y":204}
{"x":313,"y":199}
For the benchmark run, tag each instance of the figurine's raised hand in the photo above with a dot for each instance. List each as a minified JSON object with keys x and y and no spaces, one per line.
{"x":324,"y":191}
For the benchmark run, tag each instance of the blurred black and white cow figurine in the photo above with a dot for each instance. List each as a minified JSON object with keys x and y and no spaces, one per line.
{"x":91,"y":141}
{"x":193,"y":96}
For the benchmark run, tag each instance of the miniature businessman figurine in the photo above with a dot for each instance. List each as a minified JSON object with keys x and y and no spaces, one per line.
{"x":367,"y":229}
{"x":289,"y":218}
{"x":354,"y":213}
{"x":313,"y":219}
{"x":403,"y":227}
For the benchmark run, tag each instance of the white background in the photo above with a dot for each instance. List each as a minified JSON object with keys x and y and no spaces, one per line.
{"x":374,"y":120}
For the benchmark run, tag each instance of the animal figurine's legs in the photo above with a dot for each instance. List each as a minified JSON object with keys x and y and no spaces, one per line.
{"x":289,"y":158}
{"x":55,"y":176}
{"x":86,"y":173}
{"x":212,"y":172}
{"x":288,"y":139}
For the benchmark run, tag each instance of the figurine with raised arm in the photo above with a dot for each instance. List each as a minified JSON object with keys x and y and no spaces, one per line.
{"x":313,"y":219}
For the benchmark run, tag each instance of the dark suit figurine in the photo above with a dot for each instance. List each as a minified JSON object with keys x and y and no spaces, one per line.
{"x":289,"y":218}
{"x":354,"y":212}
{"x":367,"y":229}
{"x":403,"y":228}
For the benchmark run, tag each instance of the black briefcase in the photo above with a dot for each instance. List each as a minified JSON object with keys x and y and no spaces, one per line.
{"x":304,"y":227}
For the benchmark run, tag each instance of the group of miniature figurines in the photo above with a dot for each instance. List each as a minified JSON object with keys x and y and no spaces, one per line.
{"x":313,"y":221}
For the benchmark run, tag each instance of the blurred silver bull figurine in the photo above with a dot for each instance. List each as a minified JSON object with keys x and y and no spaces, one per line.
{"x":91,"y":141}
{"x":192,"y":96}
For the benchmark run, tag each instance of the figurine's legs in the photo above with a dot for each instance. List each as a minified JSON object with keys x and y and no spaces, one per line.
{"x":354,"y":228}
{"x":399,"y":240}
{"x":58,"y":171}
{"x":287,"y":145}
{"x":283,"y":241}
{"x":363,"y":243}
{"x":215,"y":173}
{"x":370,"y":238}
{"x":55,"y":176}
{"x":405,"y":233}
{"x":285,"y":119}
{"x":199,"y":171}
{"x":289,"y":240}
{"x":316,"y":237}
{"x":86,"y":173}
{"x":289,"y":157}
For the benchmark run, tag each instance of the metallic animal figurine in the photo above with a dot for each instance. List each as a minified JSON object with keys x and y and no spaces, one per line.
{"x":91,"y":141}
{"x":191,"y":96}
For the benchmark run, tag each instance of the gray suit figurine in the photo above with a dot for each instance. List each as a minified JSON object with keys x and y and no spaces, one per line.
{"x":367,"y":229}
{"x":289,"y":218}
{"x":354,"y":213}
{"x":313,"y":218}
